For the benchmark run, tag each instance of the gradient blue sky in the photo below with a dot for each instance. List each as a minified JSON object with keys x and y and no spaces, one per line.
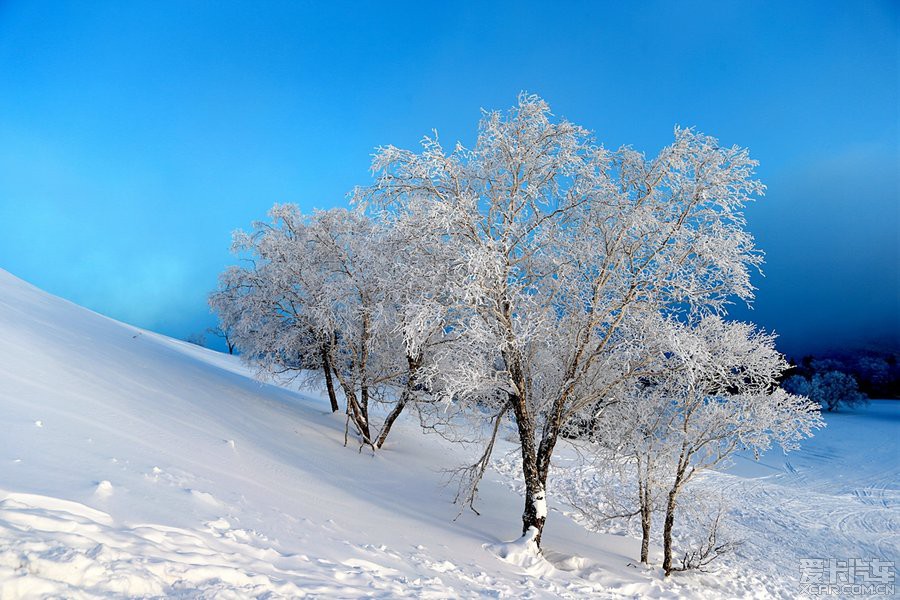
{"x":134,"y":137}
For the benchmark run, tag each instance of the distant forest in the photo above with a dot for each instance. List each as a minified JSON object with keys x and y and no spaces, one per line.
{"x":877,"y":372}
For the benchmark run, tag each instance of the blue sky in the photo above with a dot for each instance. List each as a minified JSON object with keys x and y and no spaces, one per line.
{"x":134,"y":137}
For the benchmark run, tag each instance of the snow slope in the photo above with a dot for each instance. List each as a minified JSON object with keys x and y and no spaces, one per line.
{"x":137,"y":465}
{"x":132,"y":464}
{"x":838,"y":497}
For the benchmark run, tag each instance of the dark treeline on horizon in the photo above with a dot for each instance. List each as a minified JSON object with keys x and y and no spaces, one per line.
{"x":877,"y":372}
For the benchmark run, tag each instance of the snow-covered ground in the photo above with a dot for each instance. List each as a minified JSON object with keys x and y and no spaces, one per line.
{"x":132,"y":464}
{"x":837,"y":498}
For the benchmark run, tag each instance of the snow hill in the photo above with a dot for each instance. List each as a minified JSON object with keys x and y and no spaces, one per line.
{"x":135,"y":465}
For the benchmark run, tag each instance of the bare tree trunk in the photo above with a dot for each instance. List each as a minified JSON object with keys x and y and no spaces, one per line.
{"x":550,"y":435}
{"x":413,"y":366}
{"x":364,"y":402}
{"x":363,"y":371}
{"x":355,"y":413}
{"x":667,"y":531}
{"x":669,"y":523}
{"x":329,"y":383}
{"x":389,"y":421}
{"x":362,"y":421}
{"x":646,"y":517}
{"x":535,"y":514}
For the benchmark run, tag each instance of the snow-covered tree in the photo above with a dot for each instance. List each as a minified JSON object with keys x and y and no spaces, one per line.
{"x":712,"y":393}
{"x":265,"y":303}
{"x":560,"y":247}
{"x":331,"y":291}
